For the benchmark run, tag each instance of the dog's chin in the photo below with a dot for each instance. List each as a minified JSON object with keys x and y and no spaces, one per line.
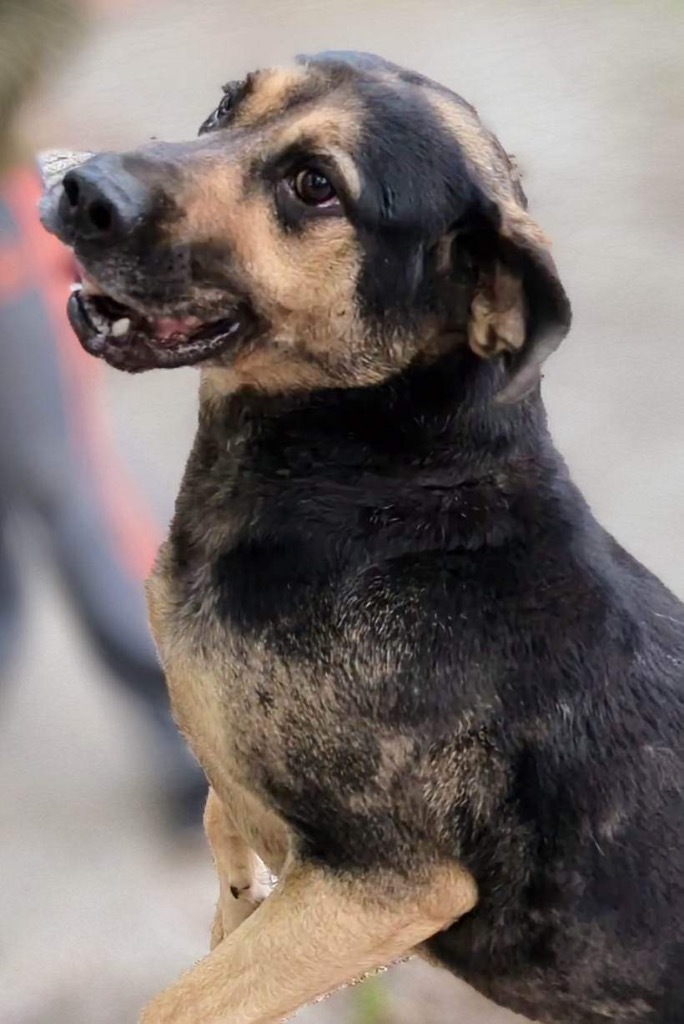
{"x":134,"y":342}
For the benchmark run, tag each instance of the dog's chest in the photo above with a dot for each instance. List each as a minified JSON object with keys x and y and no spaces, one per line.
{"x":222,"y":684}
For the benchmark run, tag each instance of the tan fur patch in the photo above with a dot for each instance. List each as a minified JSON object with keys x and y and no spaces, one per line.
{"x":196,"y":689}
{"x":348,"y":169}
{"x":270,"y":92}
{"x":266,"y":369}
{"x":210,"y":196}
{"x":331,"y":126}
{"x":301,"y":277}
{"x":244,"y":880}
{"x":497,"y":322}
{"x":316,"y":932}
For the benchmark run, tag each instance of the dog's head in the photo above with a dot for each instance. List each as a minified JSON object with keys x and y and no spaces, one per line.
{"x":332,"y":223}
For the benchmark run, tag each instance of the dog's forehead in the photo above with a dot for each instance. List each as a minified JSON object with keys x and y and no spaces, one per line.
{"x":335,"y":76}
{"x":269,"y":94}
{"x":378,"y":85}
{"x":348,"y":100}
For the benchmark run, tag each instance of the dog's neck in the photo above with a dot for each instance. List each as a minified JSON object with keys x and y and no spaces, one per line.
{"x":433,"y":414}
{"x":427,"y":456}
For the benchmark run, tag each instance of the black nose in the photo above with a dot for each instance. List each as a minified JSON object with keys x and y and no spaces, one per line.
{"x":101,"y":202}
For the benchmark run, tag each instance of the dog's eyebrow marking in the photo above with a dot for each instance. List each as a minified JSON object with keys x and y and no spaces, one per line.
{"x":332,"y":128}
{"x":347,"y":168}
{"x":269,"y":93}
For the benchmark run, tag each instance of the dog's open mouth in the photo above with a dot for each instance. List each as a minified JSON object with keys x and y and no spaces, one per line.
{"x":133,"y":342}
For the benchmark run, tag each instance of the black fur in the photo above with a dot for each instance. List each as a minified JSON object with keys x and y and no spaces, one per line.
{"x":430,"y":546}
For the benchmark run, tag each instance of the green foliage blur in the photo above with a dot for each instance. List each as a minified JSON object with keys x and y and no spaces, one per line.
{"x":372,"y":1003}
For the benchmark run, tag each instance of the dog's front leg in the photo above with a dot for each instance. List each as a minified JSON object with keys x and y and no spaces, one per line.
{"x":316,"y":932}
{"x":240,"y":872}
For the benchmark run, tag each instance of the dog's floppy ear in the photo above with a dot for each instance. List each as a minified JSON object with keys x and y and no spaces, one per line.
{"x":519,"y":305}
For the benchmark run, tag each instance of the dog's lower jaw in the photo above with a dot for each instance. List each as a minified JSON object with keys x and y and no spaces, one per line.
{"x":135,"y":344}
{"x":292,"y":366}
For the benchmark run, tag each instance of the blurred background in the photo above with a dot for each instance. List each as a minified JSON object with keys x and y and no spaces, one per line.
{"x":106,"y":889}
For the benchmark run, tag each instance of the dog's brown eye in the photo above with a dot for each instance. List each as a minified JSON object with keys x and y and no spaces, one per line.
{"x":313,"y":188}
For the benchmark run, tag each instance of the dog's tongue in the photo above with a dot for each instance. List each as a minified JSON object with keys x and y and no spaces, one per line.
{"x":165,"y":328}
{"x":168,"y":327}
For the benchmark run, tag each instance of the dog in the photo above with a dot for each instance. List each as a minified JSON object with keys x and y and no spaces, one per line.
{"x":429,"y":692}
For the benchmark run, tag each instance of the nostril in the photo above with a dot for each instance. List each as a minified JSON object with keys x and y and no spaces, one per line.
{"x":100,"y":202}
{"x":100,"y":214}
{"x":71,"y":190}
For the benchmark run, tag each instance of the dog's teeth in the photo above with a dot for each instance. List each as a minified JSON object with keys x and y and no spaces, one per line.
{"x":120,"y":327}
{"x":99,"y":322}
{"x":75,"y":287}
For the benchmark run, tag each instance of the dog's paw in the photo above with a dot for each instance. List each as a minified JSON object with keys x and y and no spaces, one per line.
{"x":255,"y":891}
{"x":234,"y":907}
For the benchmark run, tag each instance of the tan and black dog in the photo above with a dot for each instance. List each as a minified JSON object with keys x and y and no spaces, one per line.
{"x":428,"y":690}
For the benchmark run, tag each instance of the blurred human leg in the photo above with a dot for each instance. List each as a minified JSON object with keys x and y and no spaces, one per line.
{"x":10,"y":604}
{"x":57,"y":460}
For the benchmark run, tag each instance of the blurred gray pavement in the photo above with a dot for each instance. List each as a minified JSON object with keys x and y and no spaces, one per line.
{"x":96,"y":910}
